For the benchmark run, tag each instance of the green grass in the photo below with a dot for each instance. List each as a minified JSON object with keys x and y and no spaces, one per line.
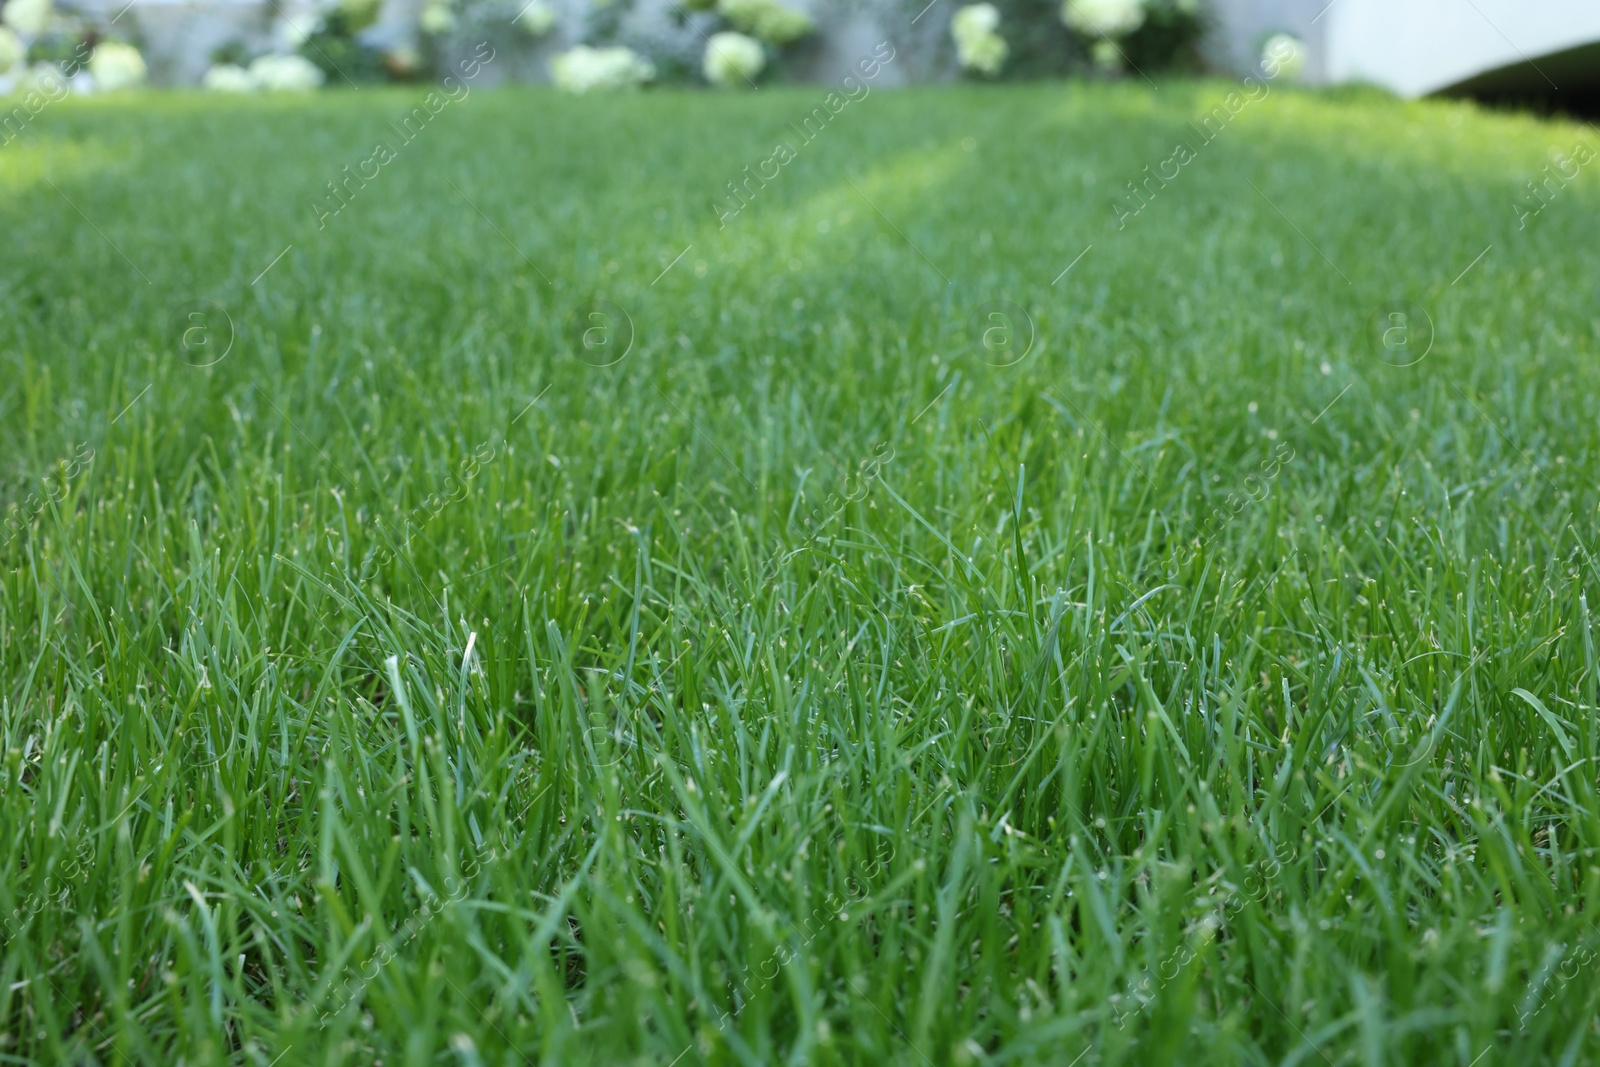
{"x":1123,"y":707}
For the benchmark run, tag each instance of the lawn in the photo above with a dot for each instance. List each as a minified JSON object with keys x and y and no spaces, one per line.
{"x":936,"y":614}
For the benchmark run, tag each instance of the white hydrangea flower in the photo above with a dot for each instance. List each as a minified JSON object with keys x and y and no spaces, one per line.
{"x":732,"y":59}
{"x":27,"y":17}
{"x":286,"y":73}
{"x":115,"y":65}
{"x":767,"y":20}
{"x":227,"y":78}
{"x":583,"y":69}
{"x":978,"y":46}
{"x":983,"y":54}
{"x":974,"y":20}
{"x":438,"y":18}
{"x":1108,"y":19}
{"x":12,"y":52}
{"x":1283,"y":55}
{"x":537,"y":18}
{"x":292,"y":32}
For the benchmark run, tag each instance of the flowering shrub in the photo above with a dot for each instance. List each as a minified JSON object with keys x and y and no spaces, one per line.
{"x":584,"y":69}
{"x":538,"y":18}
{"x":613,"y":44}
{"x":978,"y":46}
{"x":46,"y":54}
{"x":1109,"y":36}
{"x":229,"y":78}
{"x":664,"y":38}
{"x":732,"y":59}
{"x":29,"y":18}
{"x":438,"y":18}
{"x":1283,"y":55}
{"x":286,"y":73}
{"x":1169,"y":37}
{"x":333,"y":43}
{"x":115,"y":65}
{"x":1103,"y":19}
{"x":766,"y":20}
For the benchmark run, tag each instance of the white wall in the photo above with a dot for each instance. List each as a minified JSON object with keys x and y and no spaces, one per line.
{"x":1413,"y":47}
{"x":1417,"y":46}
